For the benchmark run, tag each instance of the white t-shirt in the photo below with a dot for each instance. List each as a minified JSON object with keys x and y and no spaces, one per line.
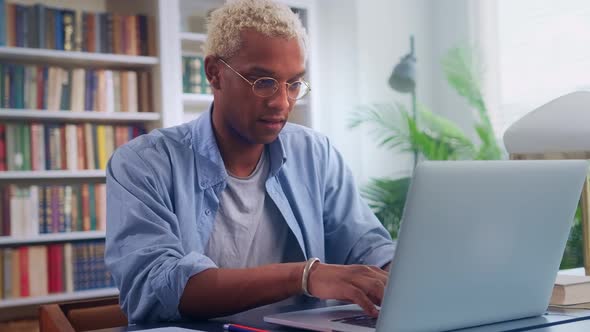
{"x":249,"y":229}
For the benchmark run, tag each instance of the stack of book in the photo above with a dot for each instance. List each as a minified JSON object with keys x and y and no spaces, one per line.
{"x":194,"y":79}
{"x":76,"y":89}
{"x":40,"y":26}
{"x":571,"y":291}
{"x":55,"y":268}
{"x":38,"y":147}
{"x":27,"y":211}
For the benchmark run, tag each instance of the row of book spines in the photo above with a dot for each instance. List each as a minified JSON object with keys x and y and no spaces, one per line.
{"x":194,"y":79}
{"x":27,"y":211}
{"x":56,"y":268}
{"x":39,"y":26}
{"x":79,"y":89}
{"x":39,"y":147}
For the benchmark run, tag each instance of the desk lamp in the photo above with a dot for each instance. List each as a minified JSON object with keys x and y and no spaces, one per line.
{"x":559,"y":129}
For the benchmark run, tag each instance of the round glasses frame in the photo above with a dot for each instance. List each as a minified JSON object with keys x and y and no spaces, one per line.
{"x":261,"y":88}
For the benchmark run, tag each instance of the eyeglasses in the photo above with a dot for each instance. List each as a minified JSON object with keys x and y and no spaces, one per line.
{"x":267,"y":86}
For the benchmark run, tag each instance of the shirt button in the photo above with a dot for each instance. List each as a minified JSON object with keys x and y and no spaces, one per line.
{"x":203,"y":183}
{"x":207,"y":212}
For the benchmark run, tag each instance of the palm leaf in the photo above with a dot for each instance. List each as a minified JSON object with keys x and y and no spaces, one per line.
{"x":387,"y":198}
{"x":463,"y":73}
{"x":431,"y":135}
{"x":573,"y":255}
{"x":384,"y":120}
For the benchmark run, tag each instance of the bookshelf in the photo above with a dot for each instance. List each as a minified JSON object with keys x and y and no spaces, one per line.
{"x":86,"y":246}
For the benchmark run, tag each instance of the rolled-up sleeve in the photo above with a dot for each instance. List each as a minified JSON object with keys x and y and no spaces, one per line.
{"x":143,"y":247}
{"x":353,"y":234}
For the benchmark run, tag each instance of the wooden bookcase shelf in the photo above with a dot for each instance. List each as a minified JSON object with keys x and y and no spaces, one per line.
{"x":58,"y":297}
{"x":76,"y":58}
{"x":51,"y":238}
{"x":69,"y":116}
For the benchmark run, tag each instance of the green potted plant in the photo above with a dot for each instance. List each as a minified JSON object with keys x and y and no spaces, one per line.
{"x":433,"y":137}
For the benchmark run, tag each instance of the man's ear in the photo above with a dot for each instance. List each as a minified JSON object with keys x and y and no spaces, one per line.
{"x":212,"y":71}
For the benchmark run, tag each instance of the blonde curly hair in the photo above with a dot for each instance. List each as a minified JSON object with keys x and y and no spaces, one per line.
{"x":265,"y":16}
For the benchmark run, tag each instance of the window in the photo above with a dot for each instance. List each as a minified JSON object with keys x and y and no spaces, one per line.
{"x":544,"y":52}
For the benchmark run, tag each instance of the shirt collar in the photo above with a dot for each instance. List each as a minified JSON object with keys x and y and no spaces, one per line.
{"x":208,"y":160}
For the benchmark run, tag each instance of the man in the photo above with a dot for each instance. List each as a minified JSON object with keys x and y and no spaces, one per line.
{"x":234,"y":209}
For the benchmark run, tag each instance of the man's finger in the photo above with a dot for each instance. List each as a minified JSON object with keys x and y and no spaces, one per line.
{"x":357,"y":296}
{"x":373,"y":288}
{"x":380,"y":274}
{"x":380,"y":271}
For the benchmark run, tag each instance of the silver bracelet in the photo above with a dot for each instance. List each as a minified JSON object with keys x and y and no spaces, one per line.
{"x":305,"y":276}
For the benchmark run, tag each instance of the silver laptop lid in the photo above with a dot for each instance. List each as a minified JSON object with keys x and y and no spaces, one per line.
{"x":481,"y":242}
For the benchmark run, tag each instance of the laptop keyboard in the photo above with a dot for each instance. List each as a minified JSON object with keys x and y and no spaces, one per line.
{"x":362,"y":320}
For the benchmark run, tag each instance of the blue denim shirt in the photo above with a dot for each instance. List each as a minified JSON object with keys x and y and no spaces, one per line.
{"x":163,"y":193}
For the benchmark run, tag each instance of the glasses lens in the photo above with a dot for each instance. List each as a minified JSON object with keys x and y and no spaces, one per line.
{"x":298,"y":90}
{"x":265,"y":87}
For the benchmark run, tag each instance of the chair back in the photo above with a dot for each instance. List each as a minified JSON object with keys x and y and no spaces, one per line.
{"x":81,"y":315}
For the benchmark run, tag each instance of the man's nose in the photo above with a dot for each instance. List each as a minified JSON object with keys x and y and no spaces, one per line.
{"x":280,"y":99}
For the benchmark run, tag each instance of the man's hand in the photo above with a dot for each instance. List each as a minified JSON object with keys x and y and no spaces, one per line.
{"x":361,"y":284}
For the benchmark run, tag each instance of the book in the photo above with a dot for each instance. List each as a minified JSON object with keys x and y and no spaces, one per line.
{"x":1,"y":274}
{"x":7,"y":271}
{"x":3,"y":147}
{"x":92,"y":206}
{"x":49,"y":28}
{"x":58,"y":266}
{"x":43,"y":210}
{"x":67,"y":283}
{"x":24,"y":277}
{"x":37,"y":269}
{"x":39,"y":23}
{"x":10,"y":15}
{"x":58,"y":29}
{"x":3,"y":25}
{"x":69,"y":37}
{"x":52,"y":269}
{"x":570,"y":289}
{"x":74,"y":89}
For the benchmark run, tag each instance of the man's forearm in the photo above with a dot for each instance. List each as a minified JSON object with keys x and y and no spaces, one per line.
{"x":219,"y":292}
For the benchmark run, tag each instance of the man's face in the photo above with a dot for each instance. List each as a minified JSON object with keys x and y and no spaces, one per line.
{"x":244,"y":115}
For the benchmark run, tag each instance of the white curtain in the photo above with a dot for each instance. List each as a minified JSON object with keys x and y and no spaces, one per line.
{"x":538,"y":50}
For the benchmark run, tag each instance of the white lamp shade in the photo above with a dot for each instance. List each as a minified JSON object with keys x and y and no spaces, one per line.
{"x":561,"y":125}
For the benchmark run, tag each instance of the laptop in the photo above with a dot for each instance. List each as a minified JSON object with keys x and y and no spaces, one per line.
{"x":480,"y":243}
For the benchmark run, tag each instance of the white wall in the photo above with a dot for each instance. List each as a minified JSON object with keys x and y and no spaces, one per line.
{"x":338,"y":77}
{"x":450,"y":27}
{"x":384,"y":29}
{"x":360,"y":43}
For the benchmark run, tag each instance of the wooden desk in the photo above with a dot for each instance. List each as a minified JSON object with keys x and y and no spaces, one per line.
{"x":579,"y":326}
{"x":81,"y":315}
{"x":254,"y":318}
